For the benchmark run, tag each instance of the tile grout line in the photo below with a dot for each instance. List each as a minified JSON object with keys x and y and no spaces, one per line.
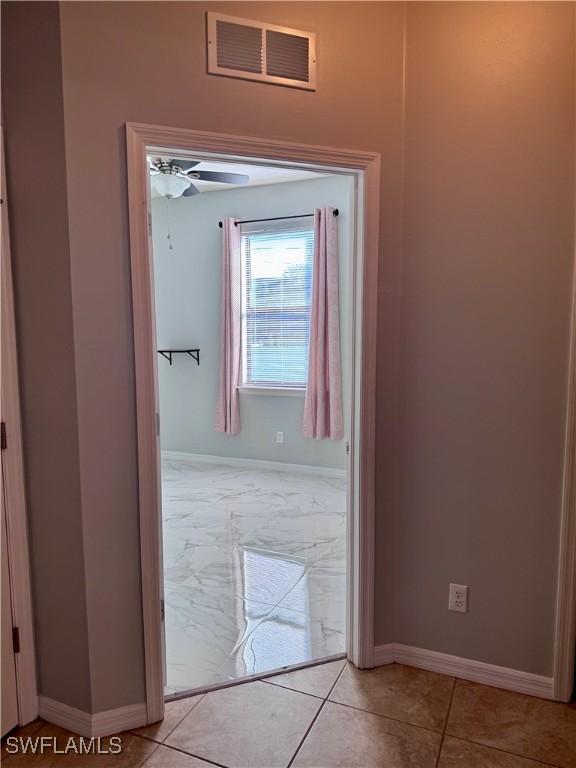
{"x":200,"y":697}
{"x":268,"y":680}
{"x":149,"y":757}
{"x":220,"y":765}
{"x":468,"y":740}
{"x":385,"y":717}
{"x":183,"y":752}
{"x":448,"y":710}
{"x":185,"y":715}
{"x":534,"y":760}
{"x":316,"y":716}
{"x":443,"y":733}
{"x":257,"y":677}
{"x":286,"y":688}
{"x":314,"y":664}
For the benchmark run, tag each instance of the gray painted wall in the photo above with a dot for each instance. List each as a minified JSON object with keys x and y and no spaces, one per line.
{"x":109,"y":77}
{"x":187,"y":287}
{"x":489,"y":254}
{"x":43,"y":296}
{"x":468,"y":470}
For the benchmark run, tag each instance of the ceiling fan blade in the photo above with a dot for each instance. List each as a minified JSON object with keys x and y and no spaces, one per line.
{"x":223,"y":178}
{"x":184,"y":164}
{"x":192,"y":190}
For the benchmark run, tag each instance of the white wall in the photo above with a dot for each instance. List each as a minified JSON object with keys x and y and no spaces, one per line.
{"x":187,"y":285}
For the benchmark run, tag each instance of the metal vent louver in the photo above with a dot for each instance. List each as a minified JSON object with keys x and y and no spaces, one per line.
{"x":254,"y":50}
{"x":239,"y":47}
{"x":287,"y":55}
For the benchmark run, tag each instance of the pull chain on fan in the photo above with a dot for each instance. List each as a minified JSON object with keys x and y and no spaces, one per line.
{"x":169,"y":228}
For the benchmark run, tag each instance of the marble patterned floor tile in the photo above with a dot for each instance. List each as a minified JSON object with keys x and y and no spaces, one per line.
{"x":242,"y":546}
{"x":295,"y":531}
{"x":203,"y":628}
{"x":254,"y":725}
{"x":535,"y":728}
{"x":285,"y":637}
{"x":321,"y":593}
{"x":410,"y":695}
{"x":347,"y":738}
{"x":267,"y":576}
{"x":462,"y":754}
{"x":174,"y":713}
{"x":315,"y":681}
{"x":292,"y":513}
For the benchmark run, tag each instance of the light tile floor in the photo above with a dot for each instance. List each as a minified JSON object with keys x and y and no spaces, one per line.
{"x":333,"y":716}
{"x":254,"y":568}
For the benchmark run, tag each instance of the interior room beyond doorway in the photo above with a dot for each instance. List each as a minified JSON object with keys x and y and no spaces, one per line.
{"x":254,"y":523}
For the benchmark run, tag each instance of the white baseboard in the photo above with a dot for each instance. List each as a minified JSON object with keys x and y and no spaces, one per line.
{"x":233,"y":461}
{"x":466,"y":669}
{"x":85,"y":724}
{"x":384,"y":654}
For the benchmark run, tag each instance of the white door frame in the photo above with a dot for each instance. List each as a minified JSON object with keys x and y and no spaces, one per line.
{"x":14,"y":485}
{"x":365,"y":166}
{"x":565,"y":630}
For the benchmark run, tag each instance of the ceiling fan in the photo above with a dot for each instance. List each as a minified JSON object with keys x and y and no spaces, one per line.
{"x":174,"y":178}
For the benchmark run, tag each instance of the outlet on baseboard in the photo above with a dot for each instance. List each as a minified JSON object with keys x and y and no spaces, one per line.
{"x":279,"y":437}
{"x":458,"y":599}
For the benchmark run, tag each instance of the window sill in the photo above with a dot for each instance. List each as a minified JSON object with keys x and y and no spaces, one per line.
{"x":274,"y":391}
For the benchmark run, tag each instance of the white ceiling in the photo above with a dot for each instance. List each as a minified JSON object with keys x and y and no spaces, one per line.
{"x":259,"y":175}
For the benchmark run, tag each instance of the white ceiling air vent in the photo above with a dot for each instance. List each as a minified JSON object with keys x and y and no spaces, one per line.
{"x":254,"y":50}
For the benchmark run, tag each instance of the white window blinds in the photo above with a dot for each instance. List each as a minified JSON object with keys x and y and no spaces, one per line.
{"x":276,"y":296}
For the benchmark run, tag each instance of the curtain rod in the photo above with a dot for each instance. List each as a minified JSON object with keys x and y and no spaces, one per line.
{"x":277,"y":218}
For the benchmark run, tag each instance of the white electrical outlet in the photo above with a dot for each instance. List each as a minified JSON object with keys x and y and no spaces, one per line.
{"x":279,"y":437}
{"x":458,"y":599}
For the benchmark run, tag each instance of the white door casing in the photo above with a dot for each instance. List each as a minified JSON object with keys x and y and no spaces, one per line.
{"x":365,"y":167}
{"x":9,"y":689}
{"x":14,"y":496}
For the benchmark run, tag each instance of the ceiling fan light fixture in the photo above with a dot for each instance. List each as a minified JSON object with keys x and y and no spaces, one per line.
{"x":169,"y":185}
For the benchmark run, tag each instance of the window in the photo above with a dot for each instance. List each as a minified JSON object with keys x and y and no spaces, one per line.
{"x":276,"y":296}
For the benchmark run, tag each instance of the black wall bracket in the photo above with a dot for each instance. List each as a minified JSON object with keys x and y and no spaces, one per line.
{"x":167,"y":353}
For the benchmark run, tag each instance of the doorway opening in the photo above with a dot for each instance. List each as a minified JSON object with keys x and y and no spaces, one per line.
{"x":254,"y":516}
{"x":143,"y":141}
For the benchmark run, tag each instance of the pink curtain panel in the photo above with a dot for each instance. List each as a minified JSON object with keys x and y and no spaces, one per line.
{"x":228,"y":403}
{"x":323,"y":402}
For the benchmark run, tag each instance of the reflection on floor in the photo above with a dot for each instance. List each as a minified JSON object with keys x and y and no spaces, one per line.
{"x":254,"y":569}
